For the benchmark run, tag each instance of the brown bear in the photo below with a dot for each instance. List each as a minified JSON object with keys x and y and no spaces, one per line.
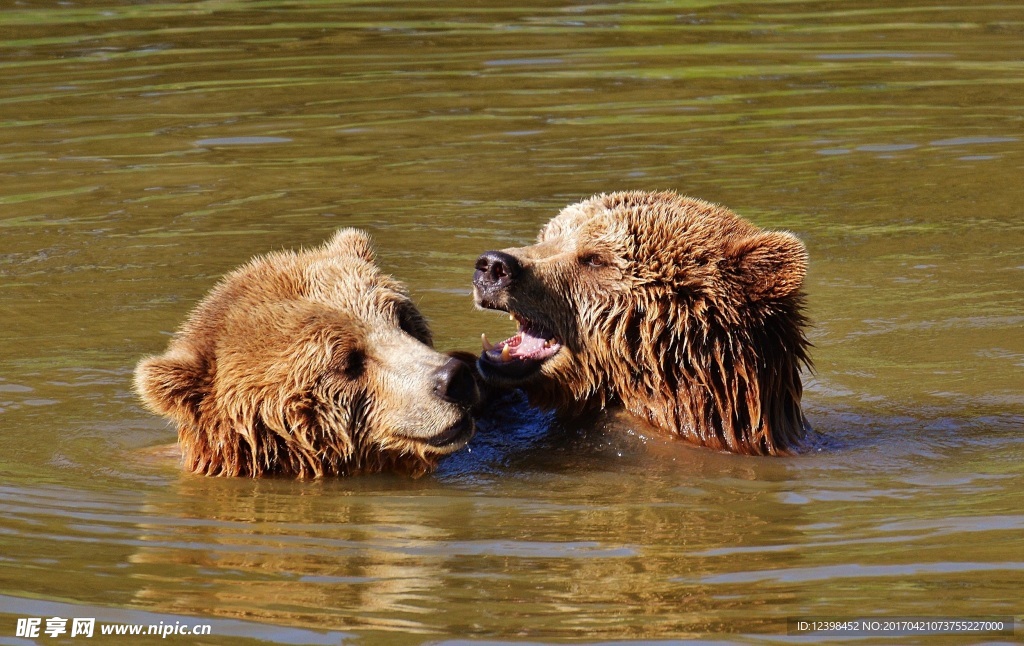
{"x":681,"y":311}
{"x":307,"y":364}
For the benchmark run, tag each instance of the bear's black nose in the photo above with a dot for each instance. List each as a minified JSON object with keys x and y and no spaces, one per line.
{"x":455,"y":383}
{"x":495,"y":270}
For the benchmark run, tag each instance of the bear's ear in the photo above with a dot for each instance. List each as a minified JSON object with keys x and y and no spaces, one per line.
{"x":352,"y":242}
{"x":172,"y":384}
{"x":772,"y":264}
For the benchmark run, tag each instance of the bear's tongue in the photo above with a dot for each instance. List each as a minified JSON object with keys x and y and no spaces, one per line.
{"x":530,"y":343}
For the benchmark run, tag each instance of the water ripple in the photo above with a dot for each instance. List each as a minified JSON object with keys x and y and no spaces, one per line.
{"x":858,"y":571}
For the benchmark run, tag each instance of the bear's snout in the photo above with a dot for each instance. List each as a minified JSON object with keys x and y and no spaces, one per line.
{"x":455,"y":383}
{"x":495,"y":271}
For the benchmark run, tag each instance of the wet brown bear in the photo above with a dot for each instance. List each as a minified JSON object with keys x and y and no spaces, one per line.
{"x":307,"y":364}
{"x":679,"y":310}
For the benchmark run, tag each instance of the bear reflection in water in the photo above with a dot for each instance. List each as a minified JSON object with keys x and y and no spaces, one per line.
{"x":553,"y":523}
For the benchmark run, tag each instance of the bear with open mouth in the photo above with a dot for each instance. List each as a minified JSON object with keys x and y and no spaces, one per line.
{"x":307,"y":364}
{"x":679,"y":310}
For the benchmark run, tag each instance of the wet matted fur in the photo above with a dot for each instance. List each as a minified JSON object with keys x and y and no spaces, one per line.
{"x":677,"y":309}
{"x":306,"y":364}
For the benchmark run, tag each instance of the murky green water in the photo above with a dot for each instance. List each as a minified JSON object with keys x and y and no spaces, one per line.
{"x":147,"y":148}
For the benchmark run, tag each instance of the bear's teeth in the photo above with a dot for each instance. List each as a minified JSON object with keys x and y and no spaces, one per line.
{"x":506,"y":354}
{"x":511,"y":317}
{"x":487,"y":344}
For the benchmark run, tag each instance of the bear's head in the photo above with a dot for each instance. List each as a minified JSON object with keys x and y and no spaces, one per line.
{"x":307,"y":364}
{"x":680,"y":310}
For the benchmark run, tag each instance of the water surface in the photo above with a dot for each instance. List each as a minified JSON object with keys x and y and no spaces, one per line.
{"x":147,"y":148}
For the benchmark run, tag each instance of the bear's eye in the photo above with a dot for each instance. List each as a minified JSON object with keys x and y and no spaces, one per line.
{"x":593,"y":260}
{"x":408,"y":325}
{"x":354,"y":364}
{"x":412,"y":324}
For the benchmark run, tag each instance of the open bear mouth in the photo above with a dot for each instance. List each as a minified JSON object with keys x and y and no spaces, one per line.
{"x":521,"y":355}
